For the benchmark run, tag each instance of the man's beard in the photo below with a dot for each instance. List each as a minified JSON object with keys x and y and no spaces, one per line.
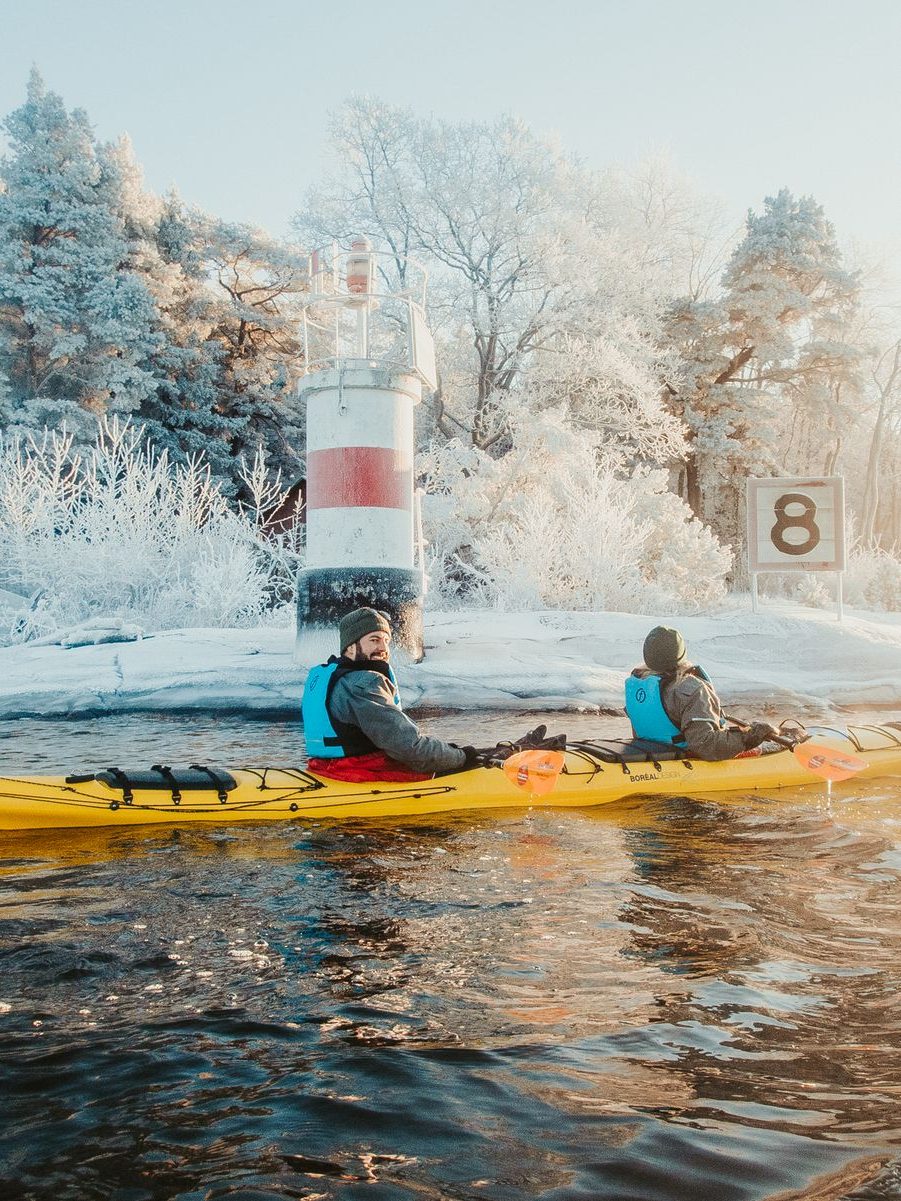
{"x":379,"y":655}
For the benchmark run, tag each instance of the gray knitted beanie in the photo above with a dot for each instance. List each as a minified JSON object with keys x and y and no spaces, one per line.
{"x":356,"y":625}
{"x":664,"y":649}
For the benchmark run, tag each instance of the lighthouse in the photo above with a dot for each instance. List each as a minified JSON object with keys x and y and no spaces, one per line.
{"x":368,"y":354}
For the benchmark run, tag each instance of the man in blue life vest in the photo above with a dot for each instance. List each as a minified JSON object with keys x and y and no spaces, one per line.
{"x":672,"y":701}
{"x":353,"y":723}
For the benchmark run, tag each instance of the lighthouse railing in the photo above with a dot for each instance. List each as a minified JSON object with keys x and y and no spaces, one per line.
{"x":366,"y":308}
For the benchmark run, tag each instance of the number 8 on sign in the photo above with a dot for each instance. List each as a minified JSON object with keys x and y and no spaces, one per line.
{"x":795,"y":521}
{"x":796,"y":524}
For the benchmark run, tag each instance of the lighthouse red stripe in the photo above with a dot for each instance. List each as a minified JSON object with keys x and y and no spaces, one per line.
{"x":357,"y":476}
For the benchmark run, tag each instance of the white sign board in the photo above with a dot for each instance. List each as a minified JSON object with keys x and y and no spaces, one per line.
{"x":422,"y":348}
{"x":796,"y":524}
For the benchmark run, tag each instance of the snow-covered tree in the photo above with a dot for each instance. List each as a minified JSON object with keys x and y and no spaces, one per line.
{"x":880,"y":521}
{"x":255,"y":282}
{"x":76,"y":324}
{"x":113,"y":300}
{"x":553,"y":523}
{"x":187,"y":414}
{"x":118,"y":531}
{"x":769,"y":344}
{"x":609,"y":389}
{"x":230,"y":356}
{"x":529,"y":253}
{"x":519,"y":241}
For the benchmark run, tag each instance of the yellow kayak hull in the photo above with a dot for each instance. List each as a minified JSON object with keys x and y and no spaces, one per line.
{"x":284,"y":794}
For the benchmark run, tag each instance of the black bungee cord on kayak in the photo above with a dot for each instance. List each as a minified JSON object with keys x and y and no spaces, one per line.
{"x":161,"y":778}
{"x":219,"y":780}
{"x":310,"y":782}
{"x":627,"y":754}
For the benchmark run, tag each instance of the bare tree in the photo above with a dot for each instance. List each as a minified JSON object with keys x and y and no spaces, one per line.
{"x":887,"y":381}
{"x":476,"y":201}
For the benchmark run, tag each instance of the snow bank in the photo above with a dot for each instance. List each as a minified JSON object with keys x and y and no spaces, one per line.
{"x":785,"y":659}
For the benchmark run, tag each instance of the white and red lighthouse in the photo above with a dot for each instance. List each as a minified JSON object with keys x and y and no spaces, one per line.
{"x":368,"y":355}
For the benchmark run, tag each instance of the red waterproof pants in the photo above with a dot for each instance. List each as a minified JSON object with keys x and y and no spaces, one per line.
{"x":362,"y":768}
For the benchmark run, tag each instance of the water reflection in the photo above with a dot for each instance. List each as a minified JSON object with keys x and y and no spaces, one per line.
{"x":671,"y":999}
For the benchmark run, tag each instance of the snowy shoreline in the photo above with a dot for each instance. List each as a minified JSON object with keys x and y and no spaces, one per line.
{"x":784,"y":659}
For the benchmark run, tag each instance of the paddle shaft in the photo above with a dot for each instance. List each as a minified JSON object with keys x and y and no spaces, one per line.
{"x":824,"y":761}
{"x":791,"y":743}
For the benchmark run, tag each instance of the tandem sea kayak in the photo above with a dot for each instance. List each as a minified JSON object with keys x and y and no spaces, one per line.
{"x":593,"y":773}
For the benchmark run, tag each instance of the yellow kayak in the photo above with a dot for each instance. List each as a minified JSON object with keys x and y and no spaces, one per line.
{"x":594,"y":773}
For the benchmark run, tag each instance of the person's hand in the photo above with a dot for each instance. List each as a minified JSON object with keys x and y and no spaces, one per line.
{"x":757,"y":732}
{"x":473,"y":757}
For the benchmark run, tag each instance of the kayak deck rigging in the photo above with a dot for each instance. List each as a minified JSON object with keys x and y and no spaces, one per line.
{"x":593,"y":772}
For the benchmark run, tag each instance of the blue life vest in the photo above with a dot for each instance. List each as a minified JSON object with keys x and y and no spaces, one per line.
{"x":325,"y":736}
{"x":644,"y":709}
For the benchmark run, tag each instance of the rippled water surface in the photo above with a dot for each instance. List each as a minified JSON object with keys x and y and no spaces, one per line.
{"x":665,"y":1000}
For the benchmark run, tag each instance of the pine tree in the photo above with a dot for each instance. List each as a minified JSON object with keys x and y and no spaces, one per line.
{"x":76,"y":324}
{"x":769,"y":342}
{"x":255,"y":324}
{"x":227,"y":362}
{"x":185,"y":414}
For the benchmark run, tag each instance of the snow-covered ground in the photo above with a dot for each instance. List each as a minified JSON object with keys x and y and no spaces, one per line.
{"x":784,"y":659}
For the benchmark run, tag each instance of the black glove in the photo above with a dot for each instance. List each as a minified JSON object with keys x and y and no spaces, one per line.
{"x":533,"y":738}
{"x":502,"y":751}
{"x":757,"y":732}
{"x":473,"y":757}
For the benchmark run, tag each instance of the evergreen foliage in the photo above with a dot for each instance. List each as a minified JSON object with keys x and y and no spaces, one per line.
{"x":114,"y":301}
{"x":767,"y":346}
{"x":76,"y":323}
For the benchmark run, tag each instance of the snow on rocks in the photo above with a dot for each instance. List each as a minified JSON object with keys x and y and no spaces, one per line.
{"x":783,"y":659}
{"x":92,"y":633}
{"x":181,"y":670}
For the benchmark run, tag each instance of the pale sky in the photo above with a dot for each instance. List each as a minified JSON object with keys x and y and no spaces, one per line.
{"x":229,"y":100}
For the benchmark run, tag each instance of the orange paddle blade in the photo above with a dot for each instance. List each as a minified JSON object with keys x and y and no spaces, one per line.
{"x":825,"y":761}
{"x":535,"y":772}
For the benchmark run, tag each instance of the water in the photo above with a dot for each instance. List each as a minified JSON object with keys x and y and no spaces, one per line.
{"x":669,"y":1000}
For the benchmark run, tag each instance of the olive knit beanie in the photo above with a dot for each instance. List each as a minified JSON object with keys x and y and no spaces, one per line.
{"x":356,"y":625}
{"x":664,"y":649}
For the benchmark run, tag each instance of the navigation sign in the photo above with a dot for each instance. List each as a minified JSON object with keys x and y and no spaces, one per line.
{"x":796,"y":524}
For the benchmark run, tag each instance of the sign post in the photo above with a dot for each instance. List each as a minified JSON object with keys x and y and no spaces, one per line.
{"x":796,"y":525}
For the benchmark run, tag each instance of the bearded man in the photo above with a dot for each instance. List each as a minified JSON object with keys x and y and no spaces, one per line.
{"x":354,"y":726}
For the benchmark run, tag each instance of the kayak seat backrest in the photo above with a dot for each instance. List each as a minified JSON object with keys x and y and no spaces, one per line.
{"x":161,"y":779}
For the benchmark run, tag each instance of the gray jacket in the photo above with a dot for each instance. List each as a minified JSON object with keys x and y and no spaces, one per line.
{"x":692,"y":705}
{"x":366,"y":699}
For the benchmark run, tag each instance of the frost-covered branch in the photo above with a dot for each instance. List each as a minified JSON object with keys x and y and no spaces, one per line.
{"x":120,"y":531}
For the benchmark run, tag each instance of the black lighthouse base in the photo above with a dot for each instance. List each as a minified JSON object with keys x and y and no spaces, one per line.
{"x":325,"y":594}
